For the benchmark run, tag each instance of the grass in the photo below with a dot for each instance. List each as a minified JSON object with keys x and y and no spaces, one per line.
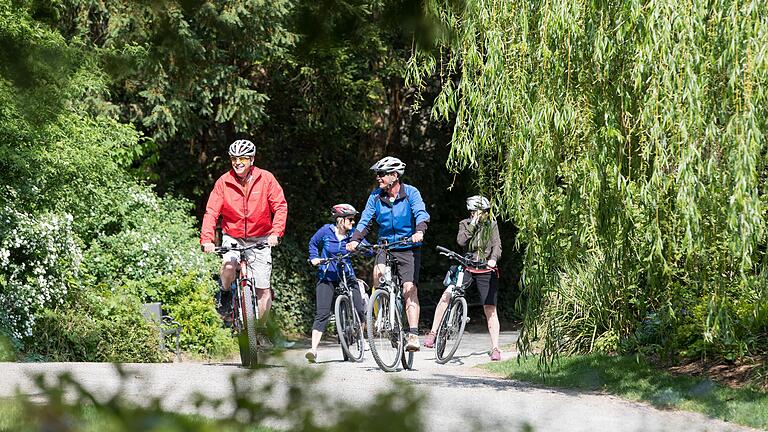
{"x":636,"y":380}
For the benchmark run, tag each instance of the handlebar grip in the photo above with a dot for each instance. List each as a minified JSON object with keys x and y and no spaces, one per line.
{"x":442,"y":249}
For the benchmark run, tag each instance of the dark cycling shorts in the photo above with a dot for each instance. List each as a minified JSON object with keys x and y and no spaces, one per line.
{"x":488,"y":285}
{"x":408,"y":264}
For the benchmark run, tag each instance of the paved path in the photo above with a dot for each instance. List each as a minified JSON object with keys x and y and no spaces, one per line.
{"x":460,"y":397}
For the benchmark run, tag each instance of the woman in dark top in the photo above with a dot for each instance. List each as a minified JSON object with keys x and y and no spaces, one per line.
{"x":331,"y":240}
{"x":479,"y":236}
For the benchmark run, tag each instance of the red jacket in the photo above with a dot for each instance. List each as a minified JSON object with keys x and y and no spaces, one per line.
{"x":257,"y":209}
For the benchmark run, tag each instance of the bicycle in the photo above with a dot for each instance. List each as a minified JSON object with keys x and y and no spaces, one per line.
{"x":453,"y":322}
{"x":385,"y":316}
{"x":245,"y":308}
{"x":348,"y":324}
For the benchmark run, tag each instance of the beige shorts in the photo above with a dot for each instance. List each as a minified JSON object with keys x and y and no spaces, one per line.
{"x":259,"y":260}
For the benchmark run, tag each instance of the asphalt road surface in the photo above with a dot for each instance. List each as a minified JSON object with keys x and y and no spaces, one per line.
{"x":459,"y":396}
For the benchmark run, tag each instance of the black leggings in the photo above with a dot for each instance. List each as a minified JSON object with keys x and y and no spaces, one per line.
{"x":324,"y":294}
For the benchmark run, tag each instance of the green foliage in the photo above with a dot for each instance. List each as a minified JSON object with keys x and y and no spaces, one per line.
{"x":107,"y":328}
{"x":626,"y":140}
{"x":151,"y":236}
{"x":294,"y":286}
{"x":188,"y":298}
{"x":73,"y":218}
{"x":7,"y":351}
{"x":36,"y":61}
{"x":175,"y":63}
{"x":245,"y":408}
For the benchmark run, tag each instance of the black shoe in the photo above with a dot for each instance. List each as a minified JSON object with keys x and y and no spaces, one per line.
{"x":224,"y":302}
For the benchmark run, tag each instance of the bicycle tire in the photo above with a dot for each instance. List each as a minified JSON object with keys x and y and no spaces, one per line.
{"x":349,"y":329}
{"x":406,"y":359}
{"x":449,"y":337}
{"x":384,"y":336}
{"x":249,"y":313}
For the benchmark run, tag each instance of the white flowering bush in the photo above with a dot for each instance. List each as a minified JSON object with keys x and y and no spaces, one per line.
{"x":157,"y":237}
{"x":39,"y":260}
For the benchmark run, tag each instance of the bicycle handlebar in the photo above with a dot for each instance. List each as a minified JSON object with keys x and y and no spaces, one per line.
{"x":385,"y":246}
{"x":337,"y":258}
{"x":224,"y":249}
{"x":462,"y":259}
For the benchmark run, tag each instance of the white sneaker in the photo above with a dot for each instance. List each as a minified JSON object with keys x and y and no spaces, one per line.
{"x":412,"y":343}
{"x":311,"y":356}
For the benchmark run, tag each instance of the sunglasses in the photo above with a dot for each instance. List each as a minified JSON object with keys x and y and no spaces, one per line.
{"x":351,"y":219}
{"x":241,"y":159}
{"x":381,"y":174}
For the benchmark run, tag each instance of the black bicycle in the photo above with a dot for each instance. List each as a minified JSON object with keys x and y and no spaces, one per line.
{"x":452,"y":322}
{"x":245,"y":308}
{"x":348,"y":324}
{"x":385,"y":316}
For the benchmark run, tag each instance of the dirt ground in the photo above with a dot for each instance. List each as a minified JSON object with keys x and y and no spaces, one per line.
{"x":748,"y":371}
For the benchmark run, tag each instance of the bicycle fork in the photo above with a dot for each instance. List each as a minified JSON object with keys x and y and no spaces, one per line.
{"x":393,"y":304}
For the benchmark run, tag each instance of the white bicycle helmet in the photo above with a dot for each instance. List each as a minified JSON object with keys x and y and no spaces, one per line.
{"x":343,"y":210}
{"x":242,"y":148}
{"x":389,"y":164}
{"x":478,"y":202}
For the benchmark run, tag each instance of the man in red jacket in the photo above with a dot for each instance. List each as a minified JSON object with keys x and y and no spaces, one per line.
{"x":252,"y":206}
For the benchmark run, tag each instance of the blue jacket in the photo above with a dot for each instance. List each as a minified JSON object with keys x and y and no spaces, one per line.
{"x":396,"y":220}
{"x":325,"y":244}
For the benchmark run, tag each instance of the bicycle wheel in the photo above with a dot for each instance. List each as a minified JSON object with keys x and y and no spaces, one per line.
{"x":349,"y":329}
{"x":249,"y":313}
{"x":451,"y":330}
{"x":384,"y":333}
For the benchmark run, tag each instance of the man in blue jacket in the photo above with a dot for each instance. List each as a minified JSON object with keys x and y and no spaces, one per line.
{"x":400,"y":213}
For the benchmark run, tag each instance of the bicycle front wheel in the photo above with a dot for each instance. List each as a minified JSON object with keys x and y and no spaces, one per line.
{"x":249,"y":354}
{"x":451,"y":330}
{"x":384,"y":331}
{"x":349,"y":329}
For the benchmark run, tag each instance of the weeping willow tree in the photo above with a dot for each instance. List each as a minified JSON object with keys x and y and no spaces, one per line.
{"x":626,"y":140}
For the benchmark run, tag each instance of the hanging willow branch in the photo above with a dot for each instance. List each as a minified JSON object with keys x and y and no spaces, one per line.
{"x":626,"y":140}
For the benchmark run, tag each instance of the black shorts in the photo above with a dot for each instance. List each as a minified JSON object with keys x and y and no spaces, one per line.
{"x":487,"y":284}
{"x":408,"y":264}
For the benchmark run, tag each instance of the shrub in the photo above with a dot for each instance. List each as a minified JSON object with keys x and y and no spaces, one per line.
{"x":188,"y":298}
{"x":108,"y":328}
{"x":39,"y":259}
{"x":156,"y":257}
